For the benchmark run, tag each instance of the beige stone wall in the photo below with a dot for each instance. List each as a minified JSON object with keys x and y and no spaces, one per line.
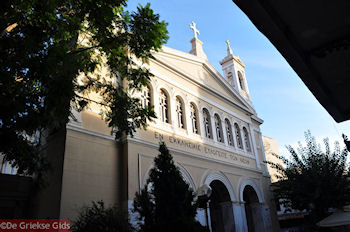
{"x":93,"y":122}
{"x":271,"y":147}
{"x":90,"y":173}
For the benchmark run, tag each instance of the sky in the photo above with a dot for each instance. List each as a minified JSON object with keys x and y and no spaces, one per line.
{"x":279,"y":96}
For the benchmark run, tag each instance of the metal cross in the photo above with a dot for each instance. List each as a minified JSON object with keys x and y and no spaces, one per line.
{"x":195,"y":30}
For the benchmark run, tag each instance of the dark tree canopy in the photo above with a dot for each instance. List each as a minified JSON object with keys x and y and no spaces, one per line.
{"x":50,"y":54}
{"x":166,"y":203}
{"x":313,"y":179}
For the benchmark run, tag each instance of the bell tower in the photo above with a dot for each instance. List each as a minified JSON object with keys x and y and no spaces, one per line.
{"x":233,"y":69}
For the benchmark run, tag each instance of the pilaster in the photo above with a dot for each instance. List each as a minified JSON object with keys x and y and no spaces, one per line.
{"x":255,"y":150}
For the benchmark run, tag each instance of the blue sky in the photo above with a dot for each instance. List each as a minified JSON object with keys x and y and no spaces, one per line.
{"x":280,"y":98}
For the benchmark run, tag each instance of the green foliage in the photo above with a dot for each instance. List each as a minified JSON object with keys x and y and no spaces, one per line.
{"x":312,"y":179}
{"x":51,"y":53}
{"x":99,"y":218}
{"x":166,"y":203}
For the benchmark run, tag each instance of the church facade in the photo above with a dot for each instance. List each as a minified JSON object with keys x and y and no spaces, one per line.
{"x":208,"y":123}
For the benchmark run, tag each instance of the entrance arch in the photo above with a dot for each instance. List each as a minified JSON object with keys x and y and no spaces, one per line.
{"x":220,"y":206}
{"x":253,"y":210}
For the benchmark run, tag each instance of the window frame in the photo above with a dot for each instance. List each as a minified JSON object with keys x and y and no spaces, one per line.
{"x":238,"y":136}
{"x":207,"y":124}
{"x":218,"y":129}
{"x":229,"y":134}
{"x":164,"y":107}
{"x":194,"y":118}
{"x":180,"y":112}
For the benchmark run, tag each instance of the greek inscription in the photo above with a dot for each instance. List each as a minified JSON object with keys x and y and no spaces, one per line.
{"x":207,"y":150}
{"x":184,"y":143}
{"x":158,"y":136}
{"x":245,"y":161}
{"x":215,"y":152}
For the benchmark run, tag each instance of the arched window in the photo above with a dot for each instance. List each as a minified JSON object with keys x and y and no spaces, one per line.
{"x":179,"y":113}
{"x":194,"y":118}
{"x":164,"y":106}
{"x":146,"y":96}
{"x":230,"y":78}
{"x":229,"y":133}
{"x":218,"y":128}
{"x":246,"y":140}
{"x":241,"y":80}
{"x":207,"y":124}
{"x":238,"y":136}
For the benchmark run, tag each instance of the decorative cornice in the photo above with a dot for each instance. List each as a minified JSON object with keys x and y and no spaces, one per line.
{"x":257,"y":119}
{"x":245,"y":106}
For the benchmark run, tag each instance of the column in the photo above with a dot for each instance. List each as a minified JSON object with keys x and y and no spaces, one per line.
{"x":213,"y":130}
{"x":201,"y":123}
{"x":156,"y":105}
{"x":239,"y":216}
{"x":224,"y":132}
{"x":255,"y":150}
{"x":234,"y":137}
{"x":172,"y":111}
{"x":188,"y":122}
{"x":242,"y":138}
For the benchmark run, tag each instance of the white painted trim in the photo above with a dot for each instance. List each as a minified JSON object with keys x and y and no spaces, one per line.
{"x":257,"y":119}
{"x":186,"y":176}
{"x":76,"y":128}
{"x":223,"y":179}
{"x":145,"y":177}
{"x":253,"y":141}
{"x":247,"y":181}
{"x":153,"y":145}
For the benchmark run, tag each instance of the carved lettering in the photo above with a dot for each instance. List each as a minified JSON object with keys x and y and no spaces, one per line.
{"x":208,"y":151}
{"x":158,"y":136}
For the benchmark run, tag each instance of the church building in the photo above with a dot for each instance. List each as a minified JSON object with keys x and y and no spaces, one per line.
{"x":208,"y":123}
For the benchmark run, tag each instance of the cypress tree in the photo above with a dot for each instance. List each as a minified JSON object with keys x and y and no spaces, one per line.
{"x":166,"y":203}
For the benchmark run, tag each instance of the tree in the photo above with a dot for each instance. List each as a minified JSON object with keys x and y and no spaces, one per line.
{"x":99,"y":218}
{"x":312,"y":179}
{"x":166,"y":203}
{"x":50,"y":55}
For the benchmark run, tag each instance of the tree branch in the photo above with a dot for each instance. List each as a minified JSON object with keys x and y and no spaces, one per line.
{"x":87,"y":99}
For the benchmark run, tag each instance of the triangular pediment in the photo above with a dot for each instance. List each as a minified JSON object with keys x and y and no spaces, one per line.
{"x":203,"y":73}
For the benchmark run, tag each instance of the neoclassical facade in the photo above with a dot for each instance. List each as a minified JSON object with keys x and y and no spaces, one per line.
{"x":210,"y":126}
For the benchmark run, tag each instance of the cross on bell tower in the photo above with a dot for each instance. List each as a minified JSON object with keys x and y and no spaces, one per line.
{"x":197,"y":49}
{"x":233,"y":70}
{"x":229,"y":50}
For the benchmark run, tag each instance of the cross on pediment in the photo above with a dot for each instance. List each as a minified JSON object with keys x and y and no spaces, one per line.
{"x":195,"y":30}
